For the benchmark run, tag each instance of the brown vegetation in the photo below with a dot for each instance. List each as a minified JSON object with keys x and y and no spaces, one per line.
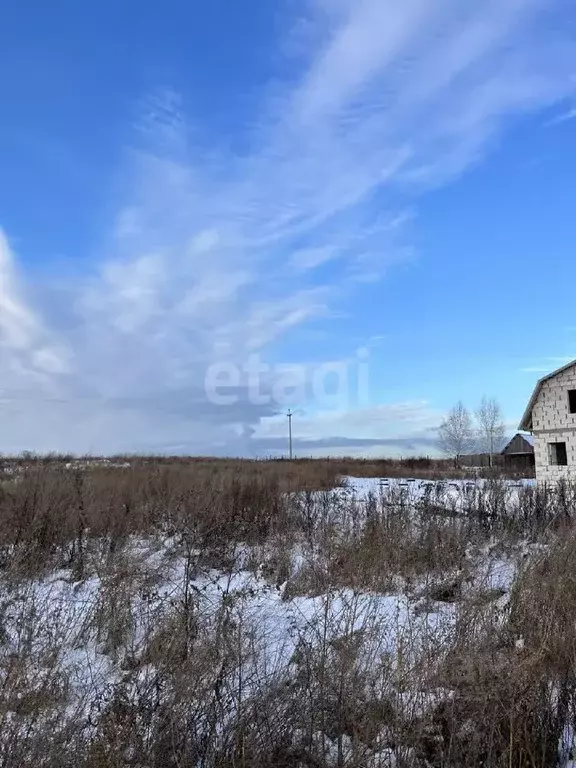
{"x":132,"y":633}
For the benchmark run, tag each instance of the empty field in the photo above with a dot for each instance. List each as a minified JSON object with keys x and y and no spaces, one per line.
{"x":276,"y":614}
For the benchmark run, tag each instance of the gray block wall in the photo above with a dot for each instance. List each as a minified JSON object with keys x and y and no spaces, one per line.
{"x":552,"y":422}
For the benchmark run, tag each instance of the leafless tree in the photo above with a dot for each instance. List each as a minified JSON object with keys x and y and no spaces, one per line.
{"x":456,"y":433}
{"x":491,"y":430}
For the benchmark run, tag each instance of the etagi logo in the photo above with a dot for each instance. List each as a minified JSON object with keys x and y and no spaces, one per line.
{"x":339,"y":385}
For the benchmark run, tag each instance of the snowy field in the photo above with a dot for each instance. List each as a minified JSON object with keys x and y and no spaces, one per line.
{"x":372,"y":602}
{"x":418,"y":488}
{"x":454,"y":494}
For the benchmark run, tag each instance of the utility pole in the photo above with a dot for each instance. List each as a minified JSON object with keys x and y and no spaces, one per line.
{"x":289,"y":414}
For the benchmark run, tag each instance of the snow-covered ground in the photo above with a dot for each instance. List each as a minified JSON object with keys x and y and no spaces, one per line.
{"x":417,"y":487}
{"x":70,"y":615}
{"x":91,"y":631}
{"x":456,"y":494}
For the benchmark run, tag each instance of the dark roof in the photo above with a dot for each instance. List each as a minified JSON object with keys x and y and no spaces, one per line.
{"x":527,"y":438}
{"x":526,"y":423}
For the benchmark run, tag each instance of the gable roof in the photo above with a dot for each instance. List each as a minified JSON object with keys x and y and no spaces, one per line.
{"x":529,"y":439}
{"x":526,"y":423}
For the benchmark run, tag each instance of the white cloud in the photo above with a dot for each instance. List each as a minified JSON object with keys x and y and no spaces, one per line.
{"x":394,"y":429}
{"x":17,"y":324}
{"x":548,"y":365}
{"x":563,"y":117}
{"x":28,"y":354}
{"x":310,"y":258}
{"x":216,"y":255}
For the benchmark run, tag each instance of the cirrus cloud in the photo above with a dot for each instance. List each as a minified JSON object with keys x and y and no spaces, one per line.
{"x":214,"y":255}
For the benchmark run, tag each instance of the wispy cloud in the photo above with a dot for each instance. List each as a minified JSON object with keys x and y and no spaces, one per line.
{"x":213,"y":255}
{"x":548,"y":365}
{"x":28,"y":355}
{"x":394,"y":429}
{"x":563,"y":117}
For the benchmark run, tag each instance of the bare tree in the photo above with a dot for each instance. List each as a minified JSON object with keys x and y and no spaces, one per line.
{"x":456,"y":433}
{"x":491,"y":430}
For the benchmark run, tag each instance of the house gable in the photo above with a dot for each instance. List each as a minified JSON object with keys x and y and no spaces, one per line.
{"x":549,"y":406}
{"x":520,"y":444}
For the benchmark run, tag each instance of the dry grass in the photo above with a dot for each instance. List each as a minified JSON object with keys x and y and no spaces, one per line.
{"x":370,"y":633}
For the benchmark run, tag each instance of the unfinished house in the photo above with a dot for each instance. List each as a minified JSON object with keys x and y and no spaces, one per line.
{"x":551,"y":418}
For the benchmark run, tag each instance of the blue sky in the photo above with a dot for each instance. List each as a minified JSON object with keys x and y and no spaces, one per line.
{"x":371,"y":202}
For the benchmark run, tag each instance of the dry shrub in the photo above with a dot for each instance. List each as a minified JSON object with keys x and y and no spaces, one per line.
{"x":513,"y":677}
{"x":487,"y":685}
